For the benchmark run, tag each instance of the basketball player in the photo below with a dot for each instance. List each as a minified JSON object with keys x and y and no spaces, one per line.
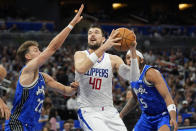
{"x":152,"y":92}
{"x":29,"y":95}
{"x":4,"y":110}
{"x":94,"y":71}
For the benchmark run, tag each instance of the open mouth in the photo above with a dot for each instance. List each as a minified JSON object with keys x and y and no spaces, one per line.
{"x":93,"y":39}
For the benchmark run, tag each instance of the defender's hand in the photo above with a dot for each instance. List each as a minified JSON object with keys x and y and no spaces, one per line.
{"x":74,"y":85}
{"x":5,"y":111}
{"x":77,"y":17}
{"x":121,"y":116}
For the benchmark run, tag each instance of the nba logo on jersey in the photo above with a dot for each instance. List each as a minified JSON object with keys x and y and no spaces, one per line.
{"x":40,"y":90}
{"x":140,"y":90}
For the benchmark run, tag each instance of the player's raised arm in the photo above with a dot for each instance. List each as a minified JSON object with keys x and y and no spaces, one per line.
{"x":55,"y":44}
{"x":62,"y":89}
{"x":84,"y":63}
{"x":131,"y":72}
{"x":155,"y":77}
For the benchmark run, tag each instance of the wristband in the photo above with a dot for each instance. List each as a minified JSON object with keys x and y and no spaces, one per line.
{"x":171,"y":107}
{"x":93,"y":57}
{"x":70,"y":26}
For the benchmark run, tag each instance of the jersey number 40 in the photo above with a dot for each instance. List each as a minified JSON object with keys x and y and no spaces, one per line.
{"x":96,"y":83}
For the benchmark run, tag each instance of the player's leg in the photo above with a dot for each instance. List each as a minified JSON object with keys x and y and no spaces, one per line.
{"x":164,"y":128}
{"x":83,"y":121}
{"x":113,"y":120}
{"x":164,"y":125}
{"x":91,"y":120}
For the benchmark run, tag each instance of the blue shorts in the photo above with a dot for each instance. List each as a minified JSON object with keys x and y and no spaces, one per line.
{"x":152,"y":123}
{"x":18,"y":127}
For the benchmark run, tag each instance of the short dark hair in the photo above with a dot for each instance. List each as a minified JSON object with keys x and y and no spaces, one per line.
{"x":24,"y":49}
{"x":97,"y":26}
{"x":52,"y":113}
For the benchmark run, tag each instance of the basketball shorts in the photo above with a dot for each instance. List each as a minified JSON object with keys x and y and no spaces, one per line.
{"x":18,"y":127}
{"x":100,"y":119}
{"x":152,"y":123}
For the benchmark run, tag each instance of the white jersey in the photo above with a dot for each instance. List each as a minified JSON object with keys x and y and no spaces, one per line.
{"x":95,"y":86}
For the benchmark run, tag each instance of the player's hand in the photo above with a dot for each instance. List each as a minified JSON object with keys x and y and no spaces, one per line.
{"x":121,"y":116}
{"x":78,"y":16}
{"x":133,"y":45}
{"x":5,"y":111}
{"x":74,"y":85}
{"x":112,"y":40}
{"x":174,"y":124}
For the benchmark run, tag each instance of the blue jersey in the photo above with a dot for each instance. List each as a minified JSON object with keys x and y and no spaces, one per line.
{"x":150,"y":100}
{"x":27,"y":104}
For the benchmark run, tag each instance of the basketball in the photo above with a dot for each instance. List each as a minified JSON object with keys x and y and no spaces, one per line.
{"x":3,"y":72}
{"x":128,"y":36}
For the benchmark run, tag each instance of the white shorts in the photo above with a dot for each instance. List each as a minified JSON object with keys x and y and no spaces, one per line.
{"x":100,"y":119}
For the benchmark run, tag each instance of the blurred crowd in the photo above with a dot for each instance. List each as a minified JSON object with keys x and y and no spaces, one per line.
{"x":143,"y":30}
{"x":178,"y":66}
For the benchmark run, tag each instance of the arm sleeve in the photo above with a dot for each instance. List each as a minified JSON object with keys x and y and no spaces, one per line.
{"x":130,"y":73}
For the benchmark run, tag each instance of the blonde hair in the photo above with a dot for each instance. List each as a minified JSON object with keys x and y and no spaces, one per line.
{"x":24,"y":49}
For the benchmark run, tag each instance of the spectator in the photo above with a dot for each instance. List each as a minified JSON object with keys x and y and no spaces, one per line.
{"x":71,"y":103}
{"x":3,"y":127}
{"x":66,"y":126}
{"x":44,"y":28}
{"x":52,"y":119}
{"x":71,"y":123}
{"x":185,"y":107}
{"x":3,"y":27}
{"x":187,"y":122}
{"x":180,"y":120}
{"x":42,"y":120}
{"x":14,"y":28}
{"x":47,"y":127}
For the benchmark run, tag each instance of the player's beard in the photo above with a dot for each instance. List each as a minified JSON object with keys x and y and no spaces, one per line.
{"x":94,"y":47}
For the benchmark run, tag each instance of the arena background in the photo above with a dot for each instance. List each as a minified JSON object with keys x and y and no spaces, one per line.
{"x":166,"y":34}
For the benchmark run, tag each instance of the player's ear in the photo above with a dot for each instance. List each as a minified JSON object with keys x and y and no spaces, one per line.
{"x":141,"y":60}
{"x":27,"y":56}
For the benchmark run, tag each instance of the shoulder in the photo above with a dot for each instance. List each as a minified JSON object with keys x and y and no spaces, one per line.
{"x":116,"y":61}
{"x":114,"y":57}
{"x":152,"y":71}
{"x":79,"y":53}
{"x":152,"y":74}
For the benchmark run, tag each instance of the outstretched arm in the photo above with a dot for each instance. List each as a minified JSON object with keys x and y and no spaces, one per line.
{"x":84,"y":63}
{"x":31,"y":68}
{"x":130,"y":73}
{"x":55,"y":44}
{"x":62,"y":89}
{"x":155,"y":77}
